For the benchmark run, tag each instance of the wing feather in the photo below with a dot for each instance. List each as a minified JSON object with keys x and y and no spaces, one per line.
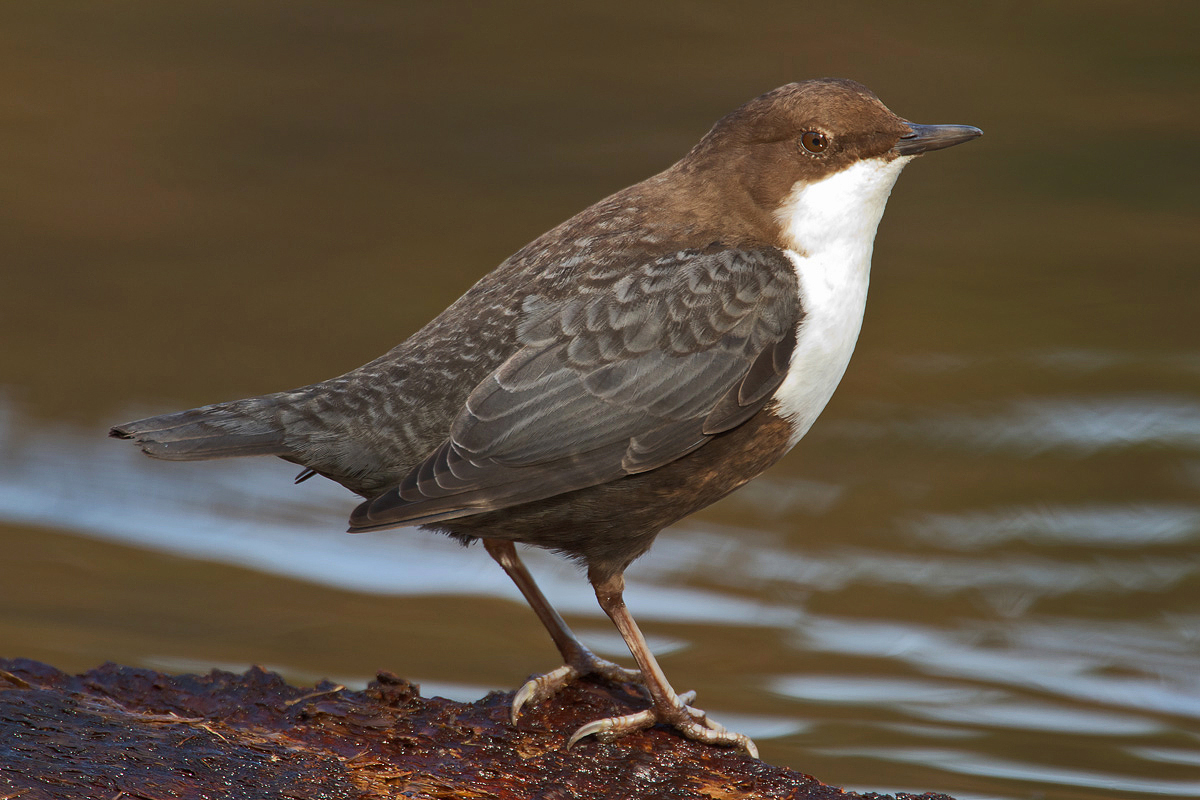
{"x":620,"y":378}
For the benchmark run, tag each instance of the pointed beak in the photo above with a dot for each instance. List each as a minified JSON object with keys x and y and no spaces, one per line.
{"x":933,"y":137}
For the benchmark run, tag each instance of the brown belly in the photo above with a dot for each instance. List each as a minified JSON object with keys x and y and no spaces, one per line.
{"x":607,"y":526}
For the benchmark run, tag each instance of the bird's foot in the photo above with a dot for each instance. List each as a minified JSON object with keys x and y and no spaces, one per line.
{"x":543,"y":687}
{"x":691,"y":722}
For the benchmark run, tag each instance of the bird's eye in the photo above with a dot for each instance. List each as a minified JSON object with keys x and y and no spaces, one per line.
{"x":814,"y":142}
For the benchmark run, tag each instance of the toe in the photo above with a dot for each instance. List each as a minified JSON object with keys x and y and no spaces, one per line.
{"x":606,"y":730}
{"x":541,"y":688}
{"x":691,"y":722}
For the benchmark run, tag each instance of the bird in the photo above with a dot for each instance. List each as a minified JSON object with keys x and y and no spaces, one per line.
{"x":634,"y":364}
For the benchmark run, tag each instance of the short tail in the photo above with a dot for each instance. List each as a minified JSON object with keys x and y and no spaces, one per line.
{"x":223,"y":430}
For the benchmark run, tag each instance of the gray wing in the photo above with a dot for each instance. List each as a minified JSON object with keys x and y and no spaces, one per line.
{"x":620,"y":378}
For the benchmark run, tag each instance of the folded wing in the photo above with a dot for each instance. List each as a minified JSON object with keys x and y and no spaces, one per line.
{"x":619,"y":378}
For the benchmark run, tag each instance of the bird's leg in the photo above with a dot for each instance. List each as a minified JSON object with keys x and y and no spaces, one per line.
{"x":578,"y":659}
{"x":668,"y":708}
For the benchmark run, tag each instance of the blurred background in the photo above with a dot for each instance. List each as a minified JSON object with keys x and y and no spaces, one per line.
{"x":978,"y":574}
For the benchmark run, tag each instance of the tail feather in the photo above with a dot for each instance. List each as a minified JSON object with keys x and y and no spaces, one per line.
{"x":217,"y":431}
{"x":314,"y":426}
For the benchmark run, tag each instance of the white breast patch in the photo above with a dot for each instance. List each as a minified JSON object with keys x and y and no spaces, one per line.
{"x":830,"y":226}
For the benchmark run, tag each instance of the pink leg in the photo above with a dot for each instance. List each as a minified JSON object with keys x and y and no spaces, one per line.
{"x":579,"y":660}
{"x":668,"y":707}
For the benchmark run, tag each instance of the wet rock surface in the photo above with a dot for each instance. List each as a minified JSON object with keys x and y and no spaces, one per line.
{"x":121,"y":732}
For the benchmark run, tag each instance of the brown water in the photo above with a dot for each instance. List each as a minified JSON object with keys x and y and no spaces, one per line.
{"x":978,"y":574}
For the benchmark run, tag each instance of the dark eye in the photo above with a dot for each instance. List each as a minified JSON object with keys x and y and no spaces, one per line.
{"x":814,"y":142}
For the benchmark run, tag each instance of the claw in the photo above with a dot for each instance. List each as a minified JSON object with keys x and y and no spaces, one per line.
{"x":611,"y":728}
{"x":691,"y":722}
{"x":542,"y":687}
{"x":745,"y":744}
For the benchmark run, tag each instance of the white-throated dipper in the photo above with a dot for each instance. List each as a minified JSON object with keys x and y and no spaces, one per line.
{"x":638,"y":362}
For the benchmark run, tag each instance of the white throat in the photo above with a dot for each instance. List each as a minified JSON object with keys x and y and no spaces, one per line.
{"x":829,"y":229}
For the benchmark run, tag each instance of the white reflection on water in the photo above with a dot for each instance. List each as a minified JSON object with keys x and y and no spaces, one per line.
{"x":249,"y":513}
{"x":911,"y":729}
{"x":1170,"y":687}
{"x":733,"y":557}
{"x":1042,"y":716}
{"x":874,"y":691}
{"x":1082,"y":426}
{"x":971,"y":763}
{"x":1167,"y":755}
{"x":1112,"y":526}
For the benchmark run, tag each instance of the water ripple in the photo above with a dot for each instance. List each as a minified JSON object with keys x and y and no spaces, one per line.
{"x":1066,"y":672}
{"x":969,"y":763}
{"x":1108,"y":526}
{"x":1038,"y":716}
{"x":1077,"y":426}
{"x":721,"y":556}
